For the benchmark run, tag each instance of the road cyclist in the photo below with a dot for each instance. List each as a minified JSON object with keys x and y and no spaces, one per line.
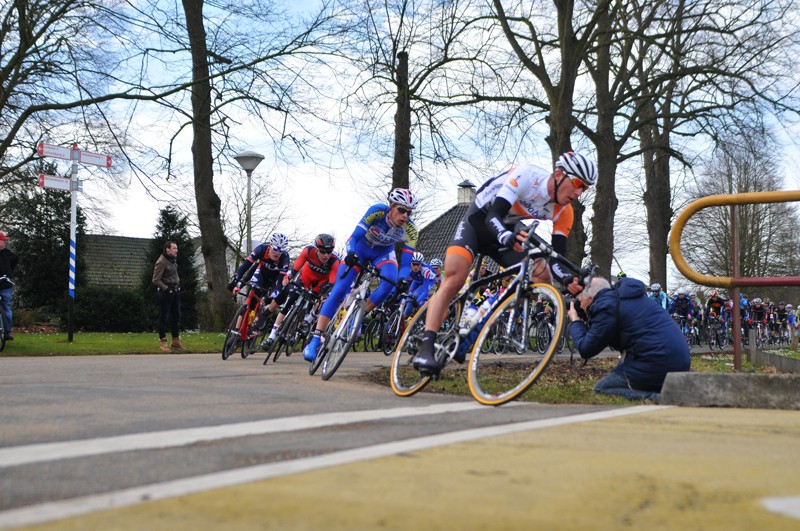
{"x":373,"y":241}
{"x":490,"y":226}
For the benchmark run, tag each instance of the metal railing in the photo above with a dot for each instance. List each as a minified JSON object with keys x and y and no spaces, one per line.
{"x":736,"y":281}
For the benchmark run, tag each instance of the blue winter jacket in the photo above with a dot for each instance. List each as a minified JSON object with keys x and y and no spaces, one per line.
{"x":625,"y":318}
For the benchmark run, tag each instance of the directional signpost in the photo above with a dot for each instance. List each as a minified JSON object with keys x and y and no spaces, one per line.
{"x":73,"y":186}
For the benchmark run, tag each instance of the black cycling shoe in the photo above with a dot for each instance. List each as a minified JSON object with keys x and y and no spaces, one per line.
{"x":425,"y":362}
{"x":266,"y":344}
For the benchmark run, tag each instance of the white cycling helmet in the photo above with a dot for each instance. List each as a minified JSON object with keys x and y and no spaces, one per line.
{"x":279,"y":241}
{"x":436,"y":263}
{"x":417,"y":258}
{"x":576,"y":165}
{"x":655,"y":286}
{"x":756,"y":301}
{"x":403,"y":197}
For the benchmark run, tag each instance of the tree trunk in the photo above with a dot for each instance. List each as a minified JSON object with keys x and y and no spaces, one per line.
{"x":402,"y":126}
{"x":605,"y":199}
{"x":657,"y":200}
{"x":208,"y":203}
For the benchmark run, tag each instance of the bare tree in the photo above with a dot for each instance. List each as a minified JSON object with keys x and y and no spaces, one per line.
{"x":741,"y":163}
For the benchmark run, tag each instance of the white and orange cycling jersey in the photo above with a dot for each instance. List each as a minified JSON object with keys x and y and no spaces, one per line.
{"x":525,"y":188}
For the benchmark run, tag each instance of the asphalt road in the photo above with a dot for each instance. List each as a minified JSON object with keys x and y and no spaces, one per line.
{"x":192,"y":442}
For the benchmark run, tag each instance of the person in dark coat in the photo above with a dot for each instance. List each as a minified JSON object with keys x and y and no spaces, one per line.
{"x":8,"y":262}
{"x":625,"y":318}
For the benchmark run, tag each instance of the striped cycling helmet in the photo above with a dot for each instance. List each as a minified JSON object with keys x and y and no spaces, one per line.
{"x":576,"y":165}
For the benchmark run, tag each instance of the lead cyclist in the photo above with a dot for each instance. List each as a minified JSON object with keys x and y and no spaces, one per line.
{"x":491,"y":227}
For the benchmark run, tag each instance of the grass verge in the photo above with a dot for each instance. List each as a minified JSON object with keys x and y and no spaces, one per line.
{"x":564,"y":382}
{"x":92,"y":344}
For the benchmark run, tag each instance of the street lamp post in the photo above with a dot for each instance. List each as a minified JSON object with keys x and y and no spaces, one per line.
{"x":248,"y":160}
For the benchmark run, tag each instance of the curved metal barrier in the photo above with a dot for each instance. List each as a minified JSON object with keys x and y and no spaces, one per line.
{"x":735,"y":282}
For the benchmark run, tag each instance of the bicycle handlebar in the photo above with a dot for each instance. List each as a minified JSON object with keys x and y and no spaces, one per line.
{"x":538,"y":244}
{"x":369,"y":267}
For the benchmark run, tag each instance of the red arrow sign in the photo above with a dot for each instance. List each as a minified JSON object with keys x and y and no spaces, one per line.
{"x":98,"y":159}
{"x":50,"y":150}
{"x":56,"y":183}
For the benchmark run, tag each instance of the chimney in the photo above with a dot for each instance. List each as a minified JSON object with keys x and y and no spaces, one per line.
{"x":466,"y":192}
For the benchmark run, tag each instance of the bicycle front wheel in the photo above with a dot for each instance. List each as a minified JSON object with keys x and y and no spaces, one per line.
{"x":497,"y":379}
{"x":342,"y":339}
{"x":391,"y":332}
{"x":232,"y":338}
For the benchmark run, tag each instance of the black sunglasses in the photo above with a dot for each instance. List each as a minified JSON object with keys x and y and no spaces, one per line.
{"x":403,"y":210}
{"x":324,"y":251}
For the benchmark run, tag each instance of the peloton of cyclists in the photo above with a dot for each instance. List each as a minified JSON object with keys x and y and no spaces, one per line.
{"x":490,"y":226}
{"x":373,"y":240}
{"x":315,"y":270}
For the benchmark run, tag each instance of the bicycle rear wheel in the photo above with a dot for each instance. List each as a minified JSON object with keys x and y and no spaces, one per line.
{"x":497,"y":379}
{"x":405,"y":379}
{"x":232,"y":338}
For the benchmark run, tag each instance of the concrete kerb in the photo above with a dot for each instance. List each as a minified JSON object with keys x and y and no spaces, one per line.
{"x":761,"y":391}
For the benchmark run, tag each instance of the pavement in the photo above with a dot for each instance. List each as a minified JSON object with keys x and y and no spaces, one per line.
{"x":644,"y":467}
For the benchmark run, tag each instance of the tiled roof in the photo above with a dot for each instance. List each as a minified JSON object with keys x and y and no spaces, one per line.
{"x":116,"y":260}
{"x":436,"y":235}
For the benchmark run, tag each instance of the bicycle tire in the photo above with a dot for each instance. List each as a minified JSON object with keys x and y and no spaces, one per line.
{"x":484,"y":385}
{"x":372,"y":334}
{"x":2,"y":339}
{"x":340,"y":345}
{"x":253,"y":341}
{"x":543,"y":336}
{"x":232,"y":338}
{"x":283,"y":334}
{"x":392,"y":333}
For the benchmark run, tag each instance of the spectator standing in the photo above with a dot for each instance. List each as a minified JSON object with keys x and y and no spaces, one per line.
{"x":625,"y":318}
{"x":165,"y":278}
{"x":8,"y":262}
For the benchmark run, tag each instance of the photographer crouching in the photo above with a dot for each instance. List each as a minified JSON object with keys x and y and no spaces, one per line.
{"x":624,"y":318}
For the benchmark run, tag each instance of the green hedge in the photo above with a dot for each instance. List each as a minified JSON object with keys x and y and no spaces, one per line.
{"x":108,"y":309}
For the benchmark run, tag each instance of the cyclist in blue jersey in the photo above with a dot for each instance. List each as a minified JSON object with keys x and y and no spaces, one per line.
{"x":422,"y":279}
{"x":657,"y":294}
{"x":373,"y":239}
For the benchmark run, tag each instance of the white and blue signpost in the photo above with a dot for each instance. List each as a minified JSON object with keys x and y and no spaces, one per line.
{"x":73,"y":186}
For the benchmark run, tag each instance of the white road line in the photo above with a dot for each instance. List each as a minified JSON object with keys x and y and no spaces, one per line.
{"x":788,"y":506}
{"x":45,"y":512}
{"x":36,"y":453}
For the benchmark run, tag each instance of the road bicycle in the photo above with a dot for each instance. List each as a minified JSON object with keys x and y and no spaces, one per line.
{"x":343,"y":330}
{"x":2,"y":323}
{"x":248,"y":326}
{"x":493,"y":379}
{"x":295,"y":328}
